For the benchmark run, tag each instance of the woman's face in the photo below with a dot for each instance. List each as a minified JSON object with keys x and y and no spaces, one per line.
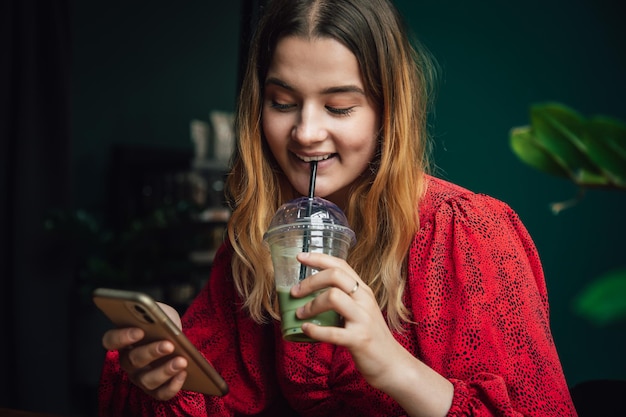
{"x":315,"y":108}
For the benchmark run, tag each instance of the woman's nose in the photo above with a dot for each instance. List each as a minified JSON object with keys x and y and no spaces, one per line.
{"x":309,"y":127}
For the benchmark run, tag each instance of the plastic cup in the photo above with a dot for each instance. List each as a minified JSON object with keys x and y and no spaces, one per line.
{"x":301,"y":225}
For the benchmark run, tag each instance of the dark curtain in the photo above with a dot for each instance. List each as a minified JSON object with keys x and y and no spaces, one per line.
{"x":35,"y":275}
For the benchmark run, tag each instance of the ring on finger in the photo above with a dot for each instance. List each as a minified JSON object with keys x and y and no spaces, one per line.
{"x":355,"y":288}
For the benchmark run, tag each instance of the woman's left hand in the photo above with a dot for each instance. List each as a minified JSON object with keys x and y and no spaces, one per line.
{"x":365,"y":333}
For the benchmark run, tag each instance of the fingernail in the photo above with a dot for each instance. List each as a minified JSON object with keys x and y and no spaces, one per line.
{"x":165,"y":347}
{"x":135,"y":334}
{"x":295,"y":289}
{"x":299,"y":311}
{"x":176,"y":365}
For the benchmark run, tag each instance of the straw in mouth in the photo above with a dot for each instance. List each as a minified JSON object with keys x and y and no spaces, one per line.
{"x":312,"y":181}
{"x":307,"y":234}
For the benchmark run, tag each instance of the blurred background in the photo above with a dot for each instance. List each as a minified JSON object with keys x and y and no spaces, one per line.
{"x":114,"y":132}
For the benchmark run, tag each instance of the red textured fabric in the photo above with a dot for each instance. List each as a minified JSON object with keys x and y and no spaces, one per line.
{"x":479,"y":303}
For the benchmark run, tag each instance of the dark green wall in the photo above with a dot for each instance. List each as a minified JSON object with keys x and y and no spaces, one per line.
{"x":496,"y":59}
{"x":143,"y":69}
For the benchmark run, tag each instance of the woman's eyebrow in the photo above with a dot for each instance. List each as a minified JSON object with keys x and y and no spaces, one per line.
{"x":344,"y":89}
{"x":330,"y":90}
{"x":279,"y":83}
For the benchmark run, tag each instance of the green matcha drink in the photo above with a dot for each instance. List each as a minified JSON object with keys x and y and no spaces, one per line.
{"x":291,"y":325}
{"x":304,"y":224}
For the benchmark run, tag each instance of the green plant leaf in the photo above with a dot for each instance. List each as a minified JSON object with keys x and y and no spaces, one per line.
{"x":605,"y":142}
{"x":614,"y":131}
{"x":604,"y":300}
{"x":560,"y":129}
{"x":525,"y":146}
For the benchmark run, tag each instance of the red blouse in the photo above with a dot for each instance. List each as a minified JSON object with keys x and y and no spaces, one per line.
{"x":479,"y":303}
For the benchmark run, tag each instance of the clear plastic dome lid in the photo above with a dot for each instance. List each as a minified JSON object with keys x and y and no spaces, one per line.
{"x":309,"y":213}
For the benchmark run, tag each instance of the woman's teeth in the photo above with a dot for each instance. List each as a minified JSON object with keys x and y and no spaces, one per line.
{"x":314,"y":158}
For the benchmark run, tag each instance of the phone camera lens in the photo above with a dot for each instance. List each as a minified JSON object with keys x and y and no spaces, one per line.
{"x":143,"y":313}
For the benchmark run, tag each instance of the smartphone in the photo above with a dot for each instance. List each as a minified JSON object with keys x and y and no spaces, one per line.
{"x":136,"y":309}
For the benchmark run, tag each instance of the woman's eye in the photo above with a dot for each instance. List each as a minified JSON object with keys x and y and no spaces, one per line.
{"x":281,"y":106}
{"x":340,"y":111}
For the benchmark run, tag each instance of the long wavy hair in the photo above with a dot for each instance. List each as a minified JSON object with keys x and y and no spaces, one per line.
{"x":382,"y":208}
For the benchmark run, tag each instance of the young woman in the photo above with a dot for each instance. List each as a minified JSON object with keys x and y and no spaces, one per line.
{"x":450,"y":312}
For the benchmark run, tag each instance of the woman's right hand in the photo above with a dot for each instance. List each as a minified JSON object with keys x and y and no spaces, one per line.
{"x":145,"y":364}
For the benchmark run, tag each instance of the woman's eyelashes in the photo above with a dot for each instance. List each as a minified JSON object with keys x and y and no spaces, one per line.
{"x":340,"y":111}
{"x":284,"y":107}
{"x":281,"y":106}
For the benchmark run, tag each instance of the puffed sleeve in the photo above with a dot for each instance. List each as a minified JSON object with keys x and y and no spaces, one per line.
{"x":480,"y":306}
{"x":236,"y":346}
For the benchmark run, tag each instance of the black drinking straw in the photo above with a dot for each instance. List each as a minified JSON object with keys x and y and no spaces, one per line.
{"x":309,"y":208}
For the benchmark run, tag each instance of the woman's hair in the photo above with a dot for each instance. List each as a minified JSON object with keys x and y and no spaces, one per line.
{"x":382,"y":207}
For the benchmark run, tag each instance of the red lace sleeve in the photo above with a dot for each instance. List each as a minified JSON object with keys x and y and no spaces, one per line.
{"x":479,"y":300}
{"x":240,"y":350}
